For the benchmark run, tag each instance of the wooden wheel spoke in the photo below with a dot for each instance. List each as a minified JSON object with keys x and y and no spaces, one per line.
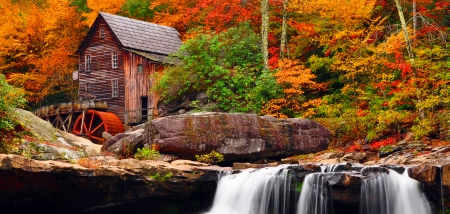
{"x":92,"y":120}
{"x":96,"y":138}
{"x":99,"y":121}
{"x":84,"y":126}
{"x":95,"y":129}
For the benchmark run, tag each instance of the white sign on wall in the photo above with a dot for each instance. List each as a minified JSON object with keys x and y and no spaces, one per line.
{"x":75,"y":75}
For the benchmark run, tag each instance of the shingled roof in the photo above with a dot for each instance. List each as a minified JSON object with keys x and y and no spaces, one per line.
{"x":145,"y":36}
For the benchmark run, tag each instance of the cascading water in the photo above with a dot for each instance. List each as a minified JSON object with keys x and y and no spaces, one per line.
{"x":266,"y":190}
{"x":392,"y":193}
{"x":275,"y":191}
{"x":315,"y":197}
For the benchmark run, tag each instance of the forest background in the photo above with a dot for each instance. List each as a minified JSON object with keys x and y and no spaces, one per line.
{"x":378,"y":68}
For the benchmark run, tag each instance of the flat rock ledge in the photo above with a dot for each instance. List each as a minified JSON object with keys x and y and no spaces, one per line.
{"x":28,"y":185}
{"x":239,"y":137}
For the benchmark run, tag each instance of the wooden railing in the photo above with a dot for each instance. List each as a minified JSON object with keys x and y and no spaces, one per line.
{"x":139,"y":115}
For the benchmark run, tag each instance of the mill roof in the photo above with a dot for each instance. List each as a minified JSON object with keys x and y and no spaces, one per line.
{"x":143,"y":36}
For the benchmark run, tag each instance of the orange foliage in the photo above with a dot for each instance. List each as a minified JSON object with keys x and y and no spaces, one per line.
{"x":107,"y":6}
{"x":217,"y":15}
{"x":38,"y":41}
{"x":88,"y":163}
{"x":294,"y":79}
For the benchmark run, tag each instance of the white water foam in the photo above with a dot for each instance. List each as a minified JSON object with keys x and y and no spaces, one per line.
{"x":315,"y":197}
{"x":253,"y":191}
{"x":269,"y":190}
{"x":393,"y":193}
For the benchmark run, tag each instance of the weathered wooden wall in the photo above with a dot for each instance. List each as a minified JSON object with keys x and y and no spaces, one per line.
{"x":102,"y":73}
{"x":137,"y":84}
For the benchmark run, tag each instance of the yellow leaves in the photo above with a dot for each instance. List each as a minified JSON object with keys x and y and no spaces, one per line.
{"x":108,"y":6}
{"x":293,"y":77}
{"x":340,"y":12}
{"x":172,"y":14}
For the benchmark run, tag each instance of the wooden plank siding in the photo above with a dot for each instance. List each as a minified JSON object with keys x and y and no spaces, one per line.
{"x":137,"y":85}
{"x":102,"y":73}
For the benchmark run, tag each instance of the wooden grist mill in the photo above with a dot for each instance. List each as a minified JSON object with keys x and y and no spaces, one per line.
{"x":117,"y":58}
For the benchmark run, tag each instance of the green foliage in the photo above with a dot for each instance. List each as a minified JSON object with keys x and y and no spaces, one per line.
{"x":298,"y":186}
{"x":10,"y":97}
{"x":138,"y":9}
{"x":147,"y":153}
{"x":159,"y":177}
{"x":225,"y":65}
{"x":211,"y":158}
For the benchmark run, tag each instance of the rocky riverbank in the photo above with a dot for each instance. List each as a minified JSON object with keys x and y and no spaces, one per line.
{"x":54,"y":171}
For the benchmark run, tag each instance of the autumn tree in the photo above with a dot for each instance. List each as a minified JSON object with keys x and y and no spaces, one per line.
{"x":38,"y":40}
{"x":107,"y":6}
{"x":295,"y":79}
{"x":210,"y":15}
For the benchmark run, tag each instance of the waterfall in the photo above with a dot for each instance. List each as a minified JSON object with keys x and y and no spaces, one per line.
{"x":392,"y":193}
{"x":315,"y":197}
{"x":274,"y":190}
{"x":260,"y":191}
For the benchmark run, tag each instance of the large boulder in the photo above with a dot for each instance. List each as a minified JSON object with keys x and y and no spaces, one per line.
{"x":43,"y":141}
{"x":237,"y":136}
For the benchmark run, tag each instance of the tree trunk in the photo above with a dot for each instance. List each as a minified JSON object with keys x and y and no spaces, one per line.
{"x":414,"y":17}
{"x":405,"y":30}
{"x":283,"y":30}
{"x":265,"y":33}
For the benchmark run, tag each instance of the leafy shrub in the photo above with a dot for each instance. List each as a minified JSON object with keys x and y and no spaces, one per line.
{"x":225,"y":65}
{"x":389,"y":141}
{"x":10,"y":97}
{"x":159,"y":177}
{"x":211,"y":158}
{"x":147,"y":154}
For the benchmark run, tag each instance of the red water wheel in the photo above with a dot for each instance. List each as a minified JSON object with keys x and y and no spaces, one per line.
{"x":97,"y":122}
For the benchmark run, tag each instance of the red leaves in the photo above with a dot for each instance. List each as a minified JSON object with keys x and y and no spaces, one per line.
{"x":400,"y":64}
{"x":389,"y":141}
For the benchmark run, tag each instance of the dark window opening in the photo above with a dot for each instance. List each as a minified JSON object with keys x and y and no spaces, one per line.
{"x":144,"y":108}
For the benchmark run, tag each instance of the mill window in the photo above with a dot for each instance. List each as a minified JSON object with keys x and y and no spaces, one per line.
{"x":102,"y":32}
{"x":88,"y":87}
{"x":88,"y":63}
{"x":114,"y":59}
{"x":139,"y":68}
{"x":115,"y":87}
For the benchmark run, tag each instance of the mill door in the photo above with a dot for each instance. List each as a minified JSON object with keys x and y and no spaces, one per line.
{"x":144,"y":108}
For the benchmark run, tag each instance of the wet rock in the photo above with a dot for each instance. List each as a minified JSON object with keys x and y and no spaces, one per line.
{"x":354,"y":157}
{"x":106,"y":136}
{"x":112,"y":141}
{"x":238,"y":165}
{"x":237,"y":136}
{"x":366,"y":171}
{"x":116,"y":186}
{"x":435,"y":178}
{"x":49,"y":152}
{"x":387,"y":150}
{"x":128,"y":145}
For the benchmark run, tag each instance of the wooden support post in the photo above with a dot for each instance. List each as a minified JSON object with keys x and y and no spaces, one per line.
{"x":62,"y":123}
{"x":70,"y":122}
{"x":82,"y":122}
